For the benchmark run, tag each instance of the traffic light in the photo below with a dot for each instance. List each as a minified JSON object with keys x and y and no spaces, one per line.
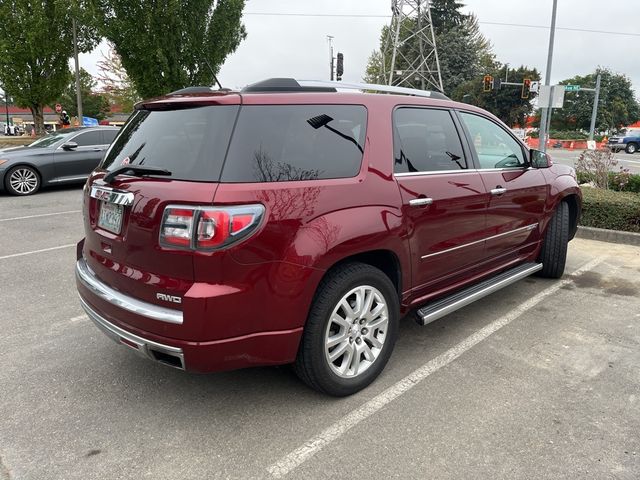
{"x":526,"y":88}
{"x":487,"y":83}
{"x":340,"y":67}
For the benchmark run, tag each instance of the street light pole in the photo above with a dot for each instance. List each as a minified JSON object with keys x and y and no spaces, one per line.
{"x":6,"y":105}
{"x":544,"y":110}
{"x":594,"y":112}
{"x":75,"y":57}
{"x":330,"y":40}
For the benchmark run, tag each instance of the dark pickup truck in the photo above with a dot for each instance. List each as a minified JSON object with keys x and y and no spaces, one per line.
{"x":629,"y":142}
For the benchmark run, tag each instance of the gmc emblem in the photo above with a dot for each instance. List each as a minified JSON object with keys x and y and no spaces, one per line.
{"x":168,"y":298}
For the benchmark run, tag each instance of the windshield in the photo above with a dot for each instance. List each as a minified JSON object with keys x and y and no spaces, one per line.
{"x":52,"y":138}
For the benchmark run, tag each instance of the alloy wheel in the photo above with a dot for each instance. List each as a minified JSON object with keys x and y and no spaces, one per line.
{"x":356,"y":331}
{"x":24,"y":181}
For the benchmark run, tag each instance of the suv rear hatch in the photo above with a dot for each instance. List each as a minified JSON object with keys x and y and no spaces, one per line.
{"x":123,"y":215}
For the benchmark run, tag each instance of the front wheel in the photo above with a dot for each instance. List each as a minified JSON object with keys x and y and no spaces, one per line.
{"x":22,"y":180}
{"x":556,"y":241}
{"x":350,"y":331}
{"x":631,"y":148}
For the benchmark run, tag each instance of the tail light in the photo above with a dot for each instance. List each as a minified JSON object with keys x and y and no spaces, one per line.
{"x":208,"y":228}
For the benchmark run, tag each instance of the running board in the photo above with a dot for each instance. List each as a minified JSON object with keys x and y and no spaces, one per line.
{"x":445,"y":306}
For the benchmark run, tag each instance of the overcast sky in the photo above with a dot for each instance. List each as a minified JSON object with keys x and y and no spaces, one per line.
{"x":296,"y":46}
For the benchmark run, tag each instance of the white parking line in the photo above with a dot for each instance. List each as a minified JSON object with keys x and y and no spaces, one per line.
{"x":40,"y":215}
{"x":37,"y":251}
{"x":288,"y":463}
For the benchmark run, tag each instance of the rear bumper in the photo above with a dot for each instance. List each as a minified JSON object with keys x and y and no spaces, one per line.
{"x":106,"y":308}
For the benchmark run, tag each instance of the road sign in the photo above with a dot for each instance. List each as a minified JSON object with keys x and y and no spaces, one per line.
{"x":58,"y":108}
{"x":534,"y":87}
{"x":571,"y":88}
{"x":557,"y":96}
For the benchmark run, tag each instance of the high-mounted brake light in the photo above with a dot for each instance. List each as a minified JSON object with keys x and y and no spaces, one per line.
{"x":208,"y":228}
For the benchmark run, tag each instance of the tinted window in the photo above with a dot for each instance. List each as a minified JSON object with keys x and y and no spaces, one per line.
{"x":88,"y":138}
{"x":52,"y":138}
{"x":108,"y":136}
{"x":274,"y":143}
{"x":425,"y":141}
{"x":494,"y":146}
{"x":190,"y":143}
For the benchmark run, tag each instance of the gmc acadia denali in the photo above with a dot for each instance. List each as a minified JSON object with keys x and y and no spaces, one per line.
{"x":292,"y":222}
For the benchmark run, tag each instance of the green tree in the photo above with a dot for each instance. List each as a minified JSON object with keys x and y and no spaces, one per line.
{"x":35,"y":46}
{"x":617,"y":107}
{"x":93,"y":104}
{"x":170,"y":44}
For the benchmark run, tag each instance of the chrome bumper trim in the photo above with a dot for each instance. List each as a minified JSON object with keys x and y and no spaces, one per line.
{"x":140,"y":345}
{"x":108,"y":294}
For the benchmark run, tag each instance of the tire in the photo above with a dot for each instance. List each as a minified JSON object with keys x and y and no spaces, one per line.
{"x":22,"y":180}
{"x":556,"y":240}
{"x":360,"y":333}
{"x":631,"y":148}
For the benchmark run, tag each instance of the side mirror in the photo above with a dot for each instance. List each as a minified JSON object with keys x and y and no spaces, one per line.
{"x":69,"y":146}
{"x":539,"y":159}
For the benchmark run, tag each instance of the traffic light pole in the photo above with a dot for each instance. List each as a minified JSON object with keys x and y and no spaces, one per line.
{"x":544,"y":110}
{"x":594,"y":113}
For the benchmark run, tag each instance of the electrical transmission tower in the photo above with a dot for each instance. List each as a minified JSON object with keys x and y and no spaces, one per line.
{"x":410,"y":56}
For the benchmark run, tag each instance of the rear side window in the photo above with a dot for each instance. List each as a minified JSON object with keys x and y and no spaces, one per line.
{"x":88,"y":138}
{"x":108,"y":136}
{"x":426,"y":140}
{"x":277,"y":143}
{"x":190,"y":143}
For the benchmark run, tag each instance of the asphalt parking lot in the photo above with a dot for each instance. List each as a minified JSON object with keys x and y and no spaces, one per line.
{"x":539,"y":380}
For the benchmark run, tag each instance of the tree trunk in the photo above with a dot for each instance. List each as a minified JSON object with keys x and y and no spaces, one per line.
{"x":37,"y":111}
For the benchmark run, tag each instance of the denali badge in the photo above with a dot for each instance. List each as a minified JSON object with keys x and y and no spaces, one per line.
{"x":168,"y":298}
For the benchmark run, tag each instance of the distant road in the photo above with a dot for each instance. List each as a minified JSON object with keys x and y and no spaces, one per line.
{"x":569,"y":157}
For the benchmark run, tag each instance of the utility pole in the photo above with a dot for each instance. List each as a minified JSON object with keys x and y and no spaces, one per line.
{"x":544,"y":109}
{"x":412,"y":51}
{"x":506,"y":72}
{"x":75,"y":57}
{"x":594,"y":113}
{"x":330,"y":40}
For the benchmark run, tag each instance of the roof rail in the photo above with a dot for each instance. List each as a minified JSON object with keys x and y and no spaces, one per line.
{"x":284,"y":85}
{"x":373,"y":87}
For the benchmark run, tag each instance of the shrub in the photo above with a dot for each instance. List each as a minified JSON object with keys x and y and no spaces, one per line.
{"x":610,"y":210}
{"x":599,"y":163}
{"x":619,"y":181}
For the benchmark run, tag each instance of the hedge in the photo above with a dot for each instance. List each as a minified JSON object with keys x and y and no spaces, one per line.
{"x":632,"y":185}
{"x":610,"y":210}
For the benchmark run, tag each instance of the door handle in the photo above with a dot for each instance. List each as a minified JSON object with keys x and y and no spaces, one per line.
{"x":498,"y":191}
{"x":97,"y":149}
{"x":420,"y":202}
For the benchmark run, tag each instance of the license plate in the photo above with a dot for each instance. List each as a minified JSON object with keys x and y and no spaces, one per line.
{"x":110,"y":217}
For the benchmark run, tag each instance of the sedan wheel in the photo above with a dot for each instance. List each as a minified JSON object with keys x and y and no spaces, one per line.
{"x":22,"y":180}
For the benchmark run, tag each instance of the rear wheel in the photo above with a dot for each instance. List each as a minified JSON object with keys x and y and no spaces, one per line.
{"x":556,"y":240}
{"x":631,"y":148}
{"x":350,"y":332}
{"x":22,"y":180}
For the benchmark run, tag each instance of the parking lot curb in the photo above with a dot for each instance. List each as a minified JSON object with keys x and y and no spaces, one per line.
{"x":611,"y":236}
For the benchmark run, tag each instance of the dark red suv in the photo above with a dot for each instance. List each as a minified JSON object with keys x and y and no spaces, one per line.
{"x":293,"y":223}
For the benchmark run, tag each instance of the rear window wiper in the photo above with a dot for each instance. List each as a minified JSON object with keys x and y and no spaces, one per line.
{"x":138,"y":170}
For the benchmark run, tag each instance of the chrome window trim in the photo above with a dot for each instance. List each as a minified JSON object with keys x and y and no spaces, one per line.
{"x":434,"y":172}
{"x":493,"y":237}
{"x":108,"y":194}
{"x":130,"y":304}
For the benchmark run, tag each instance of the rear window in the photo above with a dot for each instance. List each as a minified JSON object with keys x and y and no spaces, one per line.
{"x":190,"y":143}
{"x":277,"y":143}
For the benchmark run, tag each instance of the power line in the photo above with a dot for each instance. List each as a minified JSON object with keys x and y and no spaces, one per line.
{"x":504,"y":24}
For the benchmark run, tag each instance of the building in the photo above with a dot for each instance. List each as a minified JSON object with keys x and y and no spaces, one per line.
{"x":23,"y":118}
